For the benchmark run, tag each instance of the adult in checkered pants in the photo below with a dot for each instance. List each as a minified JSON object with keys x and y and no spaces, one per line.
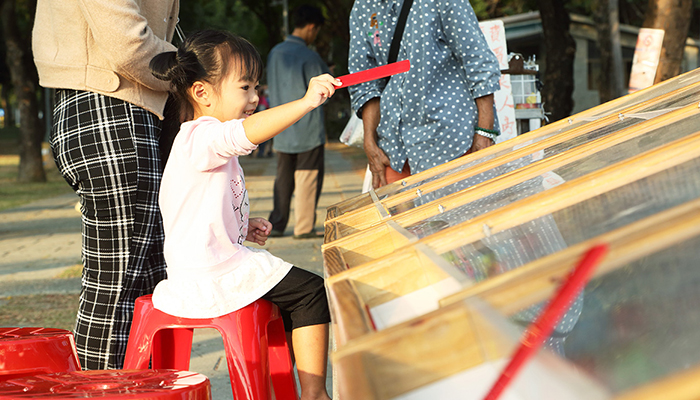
{"x":107,"y":122}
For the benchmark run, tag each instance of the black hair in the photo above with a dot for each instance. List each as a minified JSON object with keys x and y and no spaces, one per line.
{"x":209,"y":56}
{"x":307,"y":14}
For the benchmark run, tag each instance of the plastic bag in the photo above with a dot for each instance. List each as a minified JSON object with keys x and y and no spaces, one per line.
{"x":353,"y":133}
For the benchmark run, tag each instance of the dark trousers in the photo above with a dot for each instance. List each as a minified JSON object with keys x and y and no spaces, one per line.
{"x":301,"y":298}
{"x":107,"y":150}
{"x":302,"y":172}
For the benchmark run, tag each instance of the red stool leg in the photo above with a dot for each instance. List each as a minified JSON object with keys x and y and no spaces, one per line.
{"x":246,"y":350}
{"x":281,"y":368}
{"x":141,"y":335}
{"x":153,"y":335}
{"x":172,"y":348}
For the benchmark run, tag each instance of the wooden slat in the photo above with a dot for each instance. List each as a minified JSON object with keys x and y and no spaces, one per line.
{"x":343,"y":207}
{"x":329,"y":232}
{"x":386,"y":240}
{"x":333,"y":262}
{"x":350,"y":298}
{"x":337,"y":228}
{"x":349,"y":313}
{"x":380,"y":282}
{"x":683,"y":385}
{"x":353,"y":381}
{"x":428,"y":351}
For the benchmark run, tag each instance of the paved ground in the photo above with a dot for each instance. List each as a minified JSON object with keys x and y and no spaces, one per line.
{"x":41,"y":240}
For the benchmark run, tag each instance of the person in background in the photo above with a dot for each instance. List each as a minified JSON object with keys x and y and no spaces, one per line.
{"x":264,"y":148}
{"x":300,"y":148}
{"x":443,"y":107}
{"x":205,"y":206}
{"x":105,"y":143}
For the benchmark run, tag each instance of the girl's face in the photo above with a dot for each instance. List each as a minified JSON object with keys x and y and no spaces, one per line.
{"x":236,"y":98}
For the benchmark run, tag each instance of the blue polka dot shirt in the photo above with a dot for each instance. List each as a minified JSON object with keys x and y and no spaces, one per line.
{"x":428,"y":114}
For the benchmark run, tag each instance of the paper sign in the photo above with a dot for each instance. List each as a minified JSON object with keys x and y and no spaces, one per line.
{"x":646,"y":58}
{"x":495,"y":34}
{"x":550,"y":180}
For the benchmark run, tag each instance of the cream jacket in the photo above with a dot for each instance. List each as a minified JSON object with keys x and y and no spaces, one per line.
{"x":105,"y":46}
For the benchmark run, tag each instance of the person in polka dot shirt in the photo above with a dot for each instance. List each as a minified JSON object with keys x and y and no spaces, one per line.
{"x":428,"y":115}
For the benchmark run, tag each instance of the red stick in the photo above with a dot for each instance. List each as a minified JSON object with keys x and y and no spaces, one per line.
{"x":374,"y":73}
{"x":540,"y":330}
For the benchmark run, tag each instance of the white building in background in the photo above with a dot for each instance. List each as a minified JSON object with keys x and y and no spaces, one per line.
{"x":524,"y":36}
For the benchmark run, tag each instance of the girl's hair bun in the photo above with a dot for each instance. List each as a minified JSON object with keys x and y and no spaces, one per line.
{"x":164,"y":66}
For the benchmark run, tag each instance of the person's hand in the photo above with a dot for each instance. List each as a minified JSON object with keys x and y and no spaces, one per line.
{"x":378,"y":161}
{"x":258,"y":230}
{"x":320,"y":88}
{"x":479,"y":143}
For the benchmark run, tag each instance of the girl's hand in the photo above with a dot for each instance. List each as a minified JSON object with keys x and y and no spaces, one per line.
{"x":258,"y":230}
{"x":320,"y":88}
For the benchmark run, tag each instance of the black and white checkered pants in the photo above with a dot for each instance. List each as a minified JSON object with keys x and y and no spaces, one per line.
{"x":107,"y":150}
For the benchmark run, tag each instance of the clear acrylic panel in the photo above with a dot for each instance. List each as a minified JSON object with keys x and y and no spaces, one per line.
{"x":641,"y":322}
{"x":575,"y":169}
{"x":668,"y":104}
{"x":609,"y":109}
{"x":512,"y":248}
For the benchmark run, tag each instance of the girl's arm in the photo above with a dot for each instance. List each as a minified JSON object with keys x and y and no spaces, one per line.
{"x":266,"y":124}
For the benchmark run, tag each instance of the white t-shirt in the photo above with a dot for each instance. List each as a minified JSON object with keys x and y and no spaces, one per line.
{"x":205,"y":210}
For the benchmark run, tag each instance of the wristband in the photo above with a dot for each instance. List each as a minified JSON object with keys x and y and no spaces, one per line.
{"x":489,"y":133}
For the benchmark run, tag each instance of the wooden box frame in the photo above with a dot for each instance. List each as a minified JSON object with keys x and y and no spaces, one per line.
{"x":387,"y":238}
{"x":430,"y":359}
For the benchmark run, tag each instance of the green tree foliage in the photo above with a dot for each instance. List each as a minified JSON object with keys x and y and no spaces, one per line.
{"x":230,"y":15}
{"x":489,"y":9}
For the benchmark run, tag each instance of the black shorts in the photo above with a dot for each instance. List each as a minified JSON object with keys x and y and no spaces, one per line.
{"x":301,"y":298}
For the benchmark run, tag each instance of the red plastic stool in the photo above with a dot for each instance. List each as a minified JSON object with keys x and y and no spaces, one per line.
{"x":115,"y":384}
{"x":254,"y":340}
{"x":31,"y":351}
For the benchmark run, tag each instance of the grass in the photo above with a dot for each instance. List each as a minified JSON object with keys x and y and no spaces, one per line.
{"x":41,"y":310}
{"x":52,"y":310}
{"x":13,"y":193}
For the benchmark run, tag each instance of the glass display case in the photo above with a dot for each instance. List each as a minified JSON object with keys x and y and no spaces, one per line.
{"x":391,"y":195}
{"x":566,"y":174}
{"x":430,"y":299}
{"x":634,"y":339}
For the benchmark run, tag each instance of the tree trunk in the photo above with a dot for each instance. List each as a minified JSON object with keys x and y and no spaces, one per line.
{"x":560,"y":48}
{"x":673,"y":16}
{"x":31,"y":168}
{"x":606,"y":17}
{"x":5,"y":102}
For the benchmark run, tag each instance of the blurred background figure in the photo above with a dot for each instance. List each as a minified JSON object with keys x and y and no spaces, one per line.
{"x":300,"y":148}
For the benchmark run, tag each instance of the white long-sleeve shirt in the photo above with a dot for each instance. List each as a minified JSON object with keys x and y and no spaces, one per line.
{"x":205,"y":210}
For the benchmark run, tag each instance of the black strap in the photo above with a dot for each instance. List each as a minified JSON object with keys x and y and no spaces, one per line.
{"x":398,"y":32}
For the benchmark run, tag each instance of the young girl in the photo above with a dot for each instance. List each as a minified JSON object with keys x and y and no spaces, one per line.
{"x":204,"y":201}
